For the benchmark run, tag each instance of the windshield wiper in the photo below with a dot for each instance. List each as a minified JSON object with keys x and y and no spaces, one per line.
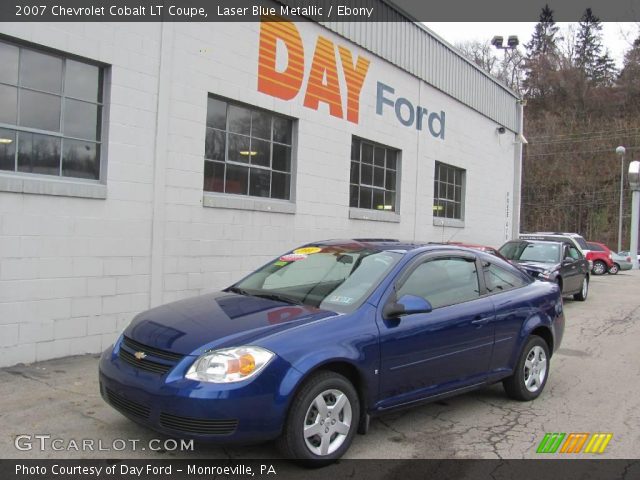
{"x":238,"y":290}
{"x":278,"y":297}
{"x":270,"y":296}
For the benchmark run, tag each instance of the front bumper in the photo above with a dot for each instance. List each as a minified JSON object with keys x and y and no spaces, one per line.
{"x":245,"y":412}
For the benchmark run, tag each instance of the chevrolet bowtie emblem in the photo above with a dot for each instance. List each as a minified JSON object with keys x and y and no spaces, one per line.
{"x":140,"y":355}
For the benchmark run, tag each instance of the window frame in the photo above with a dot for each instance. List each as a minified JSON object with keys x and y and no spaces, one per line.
{"x":374,"y":213}
{"x":58,"y":184}
{"x":486,"y":264}
{"x":407,"y":270}
{"x":449,"y":221}
{"x":247,"y":201}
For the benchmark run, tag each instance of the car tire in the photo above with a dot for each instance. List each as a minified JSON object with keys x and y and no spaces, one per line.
{"x":615,"y":268}
{"x":531,"y":373}
{"x":584,"y":290}
{"x":599,"y":267}
{"x":315,"y":432}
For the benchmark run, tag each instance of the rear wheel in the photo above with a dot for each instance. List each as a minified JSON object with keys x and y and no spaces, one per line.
{"x":584,"y":291}
{"x":532,"y":371}
{"x":322,"y":421}
{"x":615,"y":268}
{"x":599,"y":267}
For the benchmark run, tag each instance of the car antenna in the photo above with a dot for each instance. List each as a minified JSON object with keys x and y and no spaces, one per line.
{"x":452,"y":235}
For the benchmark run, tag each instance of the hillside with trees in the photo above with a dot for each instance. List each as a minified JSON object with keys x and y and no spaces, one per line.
{"x":579,"y":108}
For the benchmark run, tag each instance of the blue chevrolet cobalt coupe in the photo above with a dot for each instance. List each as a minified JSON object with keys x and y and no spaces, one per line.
{"x":310,"y":346}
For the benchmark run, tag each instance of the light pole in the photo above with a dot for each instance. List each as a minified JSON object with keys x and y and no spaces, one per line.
{"x":620,"y":151}
{"x":634,"y":185}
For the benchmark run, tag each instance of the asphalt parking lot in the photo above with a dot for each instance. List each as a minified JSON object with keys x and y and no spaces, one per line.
{"x":594,"y":387}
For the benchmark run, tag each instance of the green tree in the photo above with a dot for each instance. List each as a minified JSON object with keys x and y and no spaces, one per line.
{"x":541,"y":59}
{"x":589,"y":45}
{"x":544,"y":40}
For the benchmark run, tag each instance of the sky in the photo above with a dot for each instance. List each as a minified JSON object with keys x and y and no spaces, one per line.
{"x":617,"y":36}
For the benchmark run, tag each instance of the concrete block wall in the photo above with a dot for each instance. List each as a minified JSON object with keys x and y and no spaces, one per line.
{"x":74,"y":271}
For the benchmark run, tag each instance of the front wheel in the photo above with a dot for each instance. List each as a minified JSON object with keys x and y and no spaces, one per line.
{"x":615,"y":268}
{"x":532,"y":371}
{"x":584,"y":291}
{"x":599,"y":267}
{"x":322,"y":421}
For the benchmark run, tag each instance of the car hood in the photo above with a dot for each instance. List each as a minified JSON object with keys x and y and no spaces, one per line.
{"x":538,"y":267}
{"x":217,"y":320}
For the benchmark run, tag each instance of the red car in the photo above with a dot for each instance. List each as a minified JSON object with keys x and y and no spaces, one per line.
{"x":601,"y":257}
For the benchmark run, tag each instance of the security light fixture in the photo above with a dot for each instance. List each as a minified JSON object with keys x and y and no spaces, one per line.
{"x":512,"y":43}
{"x":5,"y":141}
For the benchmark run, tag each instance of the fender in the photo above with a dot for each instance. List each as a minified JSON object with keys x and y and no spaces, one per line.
{"x":537,"y":320}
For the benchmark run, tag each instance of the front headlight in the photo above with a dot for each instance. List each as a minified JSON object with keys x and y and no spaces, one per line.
{"x":229,"y":365}
{"x":546,"y":274}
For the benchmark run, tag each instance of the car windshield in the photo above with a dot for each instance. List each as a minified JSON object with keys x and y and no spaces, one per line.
{"x":531,"y":252}
{"x":331,"y":277}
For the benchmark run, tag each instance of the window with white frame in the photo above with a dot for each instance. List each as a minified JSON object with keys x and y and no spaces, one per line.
{"x":50,"y":113}
{"x":448,"y":192}
{"x":374,"y":176}
{"x":247,"y":151}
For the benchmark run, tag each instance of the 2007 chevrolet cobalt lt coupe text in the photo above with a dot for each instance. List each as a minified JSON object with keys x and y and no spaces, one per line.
{"x":308,"y":347}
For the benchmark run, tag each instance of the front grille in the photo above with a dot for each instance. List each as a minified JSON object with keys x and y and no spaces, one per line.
{"x":136,"y":346}
{"x":144,"y":364}
{"x":128,"y":406}
{"x":198,"y":425}
{"x":155,"y":361}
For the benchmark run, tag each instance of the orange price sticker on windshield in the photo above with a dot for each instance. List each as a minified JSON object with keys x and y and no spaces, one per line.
{"x":307,"y":250}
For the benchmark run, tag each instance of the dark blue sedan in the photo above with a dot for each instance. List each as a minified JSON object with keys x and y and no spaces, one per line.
{"x":307,"y":348}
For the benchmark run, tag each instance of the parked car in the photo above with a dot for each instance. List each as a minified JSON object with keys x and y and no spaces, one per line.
{"x":482,"y":248}
{"x":620,"y":263}
{"x":308,"y":347}
{"x":627,"y":253}
{"x":558,"y":262}
{"x":600,"y":256}
{"x":578,"y":240}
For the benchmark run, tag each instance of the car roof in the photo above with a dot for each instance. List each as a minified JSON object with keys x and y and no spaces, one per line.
{"x":536,"y":240}
{"x":387,"y":244}
{"x":564,"y":234}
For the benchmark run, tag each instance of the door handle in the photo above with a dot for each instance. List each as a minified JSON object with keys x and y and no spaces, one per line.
{"x":480,"y":320}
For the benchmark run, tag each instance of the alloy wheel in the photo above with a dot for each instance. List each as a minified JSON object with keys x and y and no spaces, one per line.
{"x":327,"y":422}
{"x":535,"y":369}
{"x":599,"y":268}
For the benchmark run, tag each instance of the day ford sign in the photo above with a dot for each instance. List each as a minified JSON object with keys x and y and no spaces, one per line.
{"x":281,"y":74}
{"x":407,"y":114}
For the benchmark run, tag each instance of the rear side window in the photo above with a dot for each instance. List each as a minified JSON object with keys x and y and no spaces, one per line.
{"x":498,"y":279}
{"x":443,"y":281}
{"x":595,"y":247}
{"x":581,"y":241}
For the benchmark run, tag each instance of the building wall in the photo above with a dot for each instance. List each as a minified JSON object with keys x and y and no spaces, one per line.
{"x":74,"y":271}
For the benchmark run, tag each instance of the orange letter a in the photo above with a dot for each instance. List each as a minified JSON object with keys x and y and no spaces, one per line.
{"x":324,"y":66}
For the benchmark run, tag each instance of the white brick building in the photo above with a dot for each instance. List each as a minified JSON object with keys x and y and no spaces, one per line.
{"x":103,"y":139}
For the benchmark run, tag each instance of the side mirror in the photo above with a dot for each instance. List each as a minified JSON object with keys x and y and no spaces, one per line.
{"x":407,"y":305}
